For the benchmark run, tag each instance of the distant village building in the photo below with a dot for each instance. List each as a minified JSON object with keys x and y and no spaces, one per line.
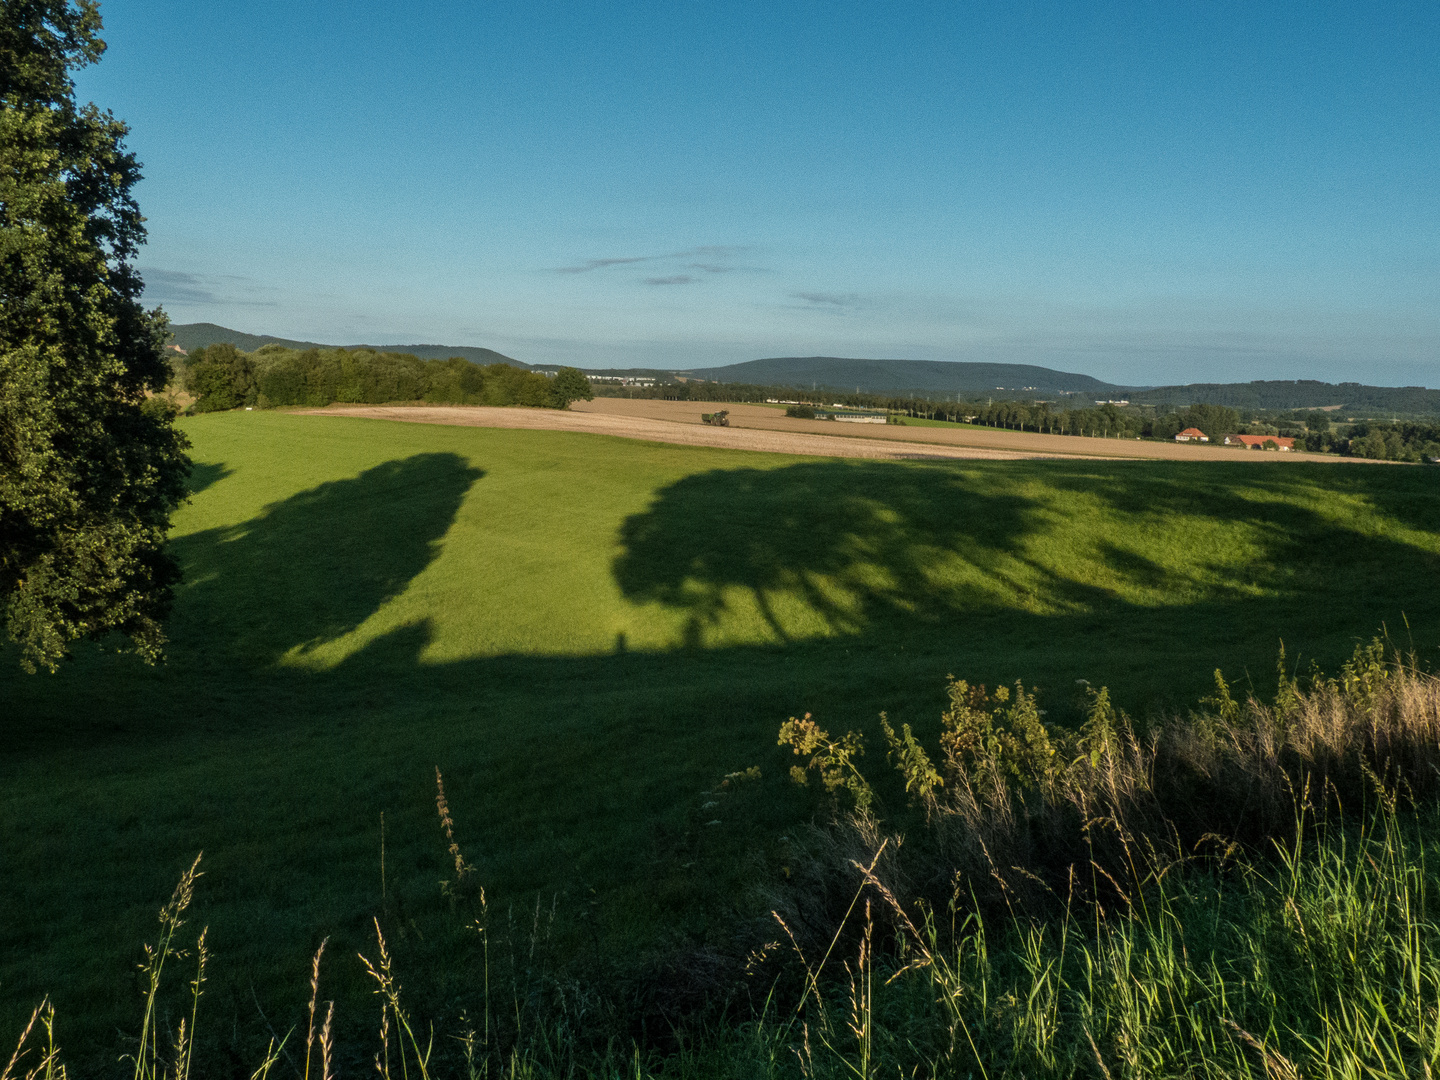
{"x":1257,"y":442}
{"x":852,"y":416}
{"x":1192,"y":434}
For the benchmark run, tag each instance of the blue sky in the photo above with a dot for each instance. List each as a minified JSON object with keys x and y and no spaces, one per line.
{"x":1148,"y":193}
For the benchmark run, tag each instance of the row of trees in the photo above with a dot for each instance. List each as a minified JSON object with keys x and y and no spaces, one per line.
{"x":1105,"y":421}
{"x":1396,"y":442}
{"x":222,"y":377}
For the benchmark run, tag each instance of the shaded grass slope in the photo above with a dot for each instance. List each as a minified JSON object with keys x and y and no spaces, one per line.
{"x":585,"y":633}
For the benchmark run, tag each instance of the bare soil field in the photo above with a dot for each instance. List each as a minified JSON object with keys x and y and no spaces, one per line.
{"x":681,"y":429}
{"x":756,"y":427}
{"x":1011,"y":443}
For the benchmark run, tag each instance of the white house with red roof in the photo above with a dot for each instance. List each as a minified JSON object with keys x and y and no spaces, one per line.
{"x":1192,"y":434}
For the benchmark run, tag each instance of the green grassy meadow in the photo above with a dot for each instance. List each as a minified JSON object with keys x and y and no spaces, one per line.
{"x":586,"y":634}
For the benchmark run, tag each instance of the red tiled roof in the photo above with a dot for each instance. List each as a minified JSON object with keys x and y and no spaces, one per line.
{"x":1259,"y":441}
{"x":1193,"y":432}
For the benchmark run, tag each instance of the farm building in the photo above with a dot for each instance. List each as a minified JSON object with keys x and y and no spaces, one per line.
{"x":852,"y":416}
{"x":1257,"y":442}
{"x":1192,"y":434}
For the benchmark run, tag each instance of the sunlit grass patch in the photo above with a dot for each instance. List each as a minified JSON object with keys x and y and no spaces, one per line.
{"x":585,"y":632}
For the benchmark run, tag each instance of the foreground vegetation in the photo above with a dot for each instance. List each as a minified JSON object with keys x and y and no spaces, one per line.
{"x":1299,"y":944}
{"x":587,"y":635}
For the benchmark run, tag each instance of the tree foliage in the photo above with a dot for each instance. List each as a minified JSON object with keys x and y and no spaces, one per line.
{"x":571,"y":384}
{"x":88,"y":473}
{"x":1396,"y":442}
{"x":1216,"y":421}
{"x":222,"y":377}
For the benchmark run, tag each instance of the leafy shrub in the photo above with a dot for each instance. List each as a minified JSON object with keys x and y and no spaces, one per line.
{"x":801,"y":412}
{"x":220,"y":377}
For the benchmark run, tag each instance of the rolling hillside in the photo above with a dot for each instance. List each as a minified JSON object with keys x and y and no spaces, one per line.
{"x":935,"y":378}
{"x":195,"y":335}
{"x":928,"y":376}
{"x":1024,"y":380}
{"x":1353,"y":398}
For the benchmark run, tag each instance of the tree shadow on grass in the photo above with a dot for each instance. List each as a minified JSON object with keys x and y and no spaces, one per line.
{"x":855,"y":542}
{"x":568,"y":771}
{"x":1074,"y":554}
{"x":204,"y":474}
{"x":318,"y":564}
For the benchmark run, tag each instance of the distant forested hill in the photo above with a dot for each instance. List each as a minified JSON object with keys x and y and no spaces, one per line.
{"x":191,"y":336}
{"x":1013,"y":381}
{"x":929,"y":376}
{"x":1354,"y":398}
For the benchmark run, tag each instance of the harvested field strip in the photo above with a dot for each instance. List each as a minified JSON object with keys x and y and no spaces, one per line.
{"x":1020,"y":443}
{"x":682,"y":433}
{"x":764,"y":428}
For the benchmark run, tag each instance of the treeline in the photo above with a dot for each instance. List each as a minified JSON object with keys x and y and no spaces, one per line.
{"x":905,"y":405}
{"x":1395,"y":442}
{"x":1105,"y":421}
{"x":1313,"y":431}
{"x":222,"y":377}
{"x":1355,"y":399}
{"x":1352,"y":400}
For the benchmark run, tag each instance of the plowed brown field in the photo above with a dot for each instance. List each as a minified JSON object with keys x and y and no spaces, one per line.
{"x":755,"y":427}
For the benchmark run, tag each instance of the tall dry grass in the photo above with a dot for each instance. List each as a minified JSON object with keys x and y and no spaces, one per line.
{"x":1023,"y":815}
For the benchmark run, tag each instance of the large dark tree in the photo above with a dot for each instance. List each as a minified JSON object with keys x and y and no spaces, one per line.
{"x":571,"y":384}
{"x":88,"y":473}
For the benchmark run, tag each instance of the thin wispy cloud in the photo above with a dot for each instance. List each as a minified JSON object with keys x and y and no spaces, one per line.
{"x":178,"y":287}
{"x":824,"y":299}
{"x":716,"y":251}
{"x":174,"y":286}
{"x":600,"y":264}
{"x":707,"y":259}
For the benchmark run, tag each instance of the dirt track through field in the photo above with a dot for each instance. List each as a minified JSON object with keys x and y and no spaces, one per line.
{"x":755,"y":427}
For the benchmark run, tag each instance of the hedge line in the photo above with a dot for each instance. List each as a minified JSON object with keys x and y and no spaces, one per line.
{"x":222,"y":377}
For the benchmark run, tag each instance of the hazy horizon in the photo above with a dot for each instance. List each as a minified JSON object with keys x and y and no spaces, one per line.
{"x":1146,"y":194}
{"x":418,"y":343}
